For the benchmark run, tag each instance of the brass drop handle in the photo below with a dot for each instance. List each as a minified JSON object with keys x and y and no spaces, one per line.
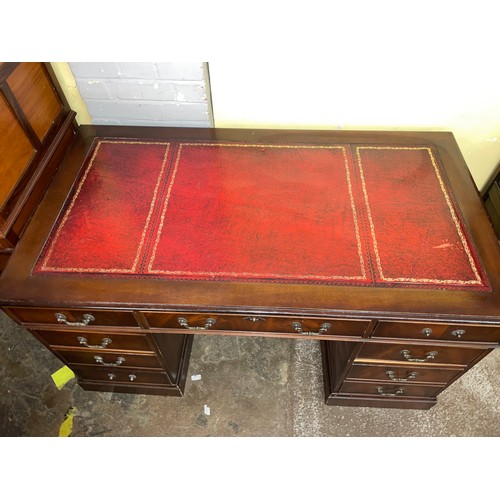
{"x":426,"y":331}
{"x":297,"y":326}
{"x":428,"y":356}
{"x":184,"y":323}
{"x":392,"y":376}
{"x":87,"y":318}
{"x":398,"y":392}
{"x":119,"y":361}
{"x":111,"y":376}
{"x":104,"y":343}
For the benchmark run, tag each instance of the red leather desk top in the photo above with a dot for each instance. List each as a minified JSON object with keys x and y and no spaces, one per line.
{"x":366,"y":215}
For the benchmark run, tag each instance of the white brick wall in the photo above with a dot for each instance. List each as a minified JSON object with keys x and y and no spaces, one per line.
{"x":145,"y":93}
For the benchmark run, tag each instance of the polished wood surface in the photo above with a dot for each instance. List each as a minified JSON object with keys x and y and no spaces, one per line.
{"x":36,"y":130}
{"x":33,"y":90}
{"x":16,"y":150}
{"x":369,"y":326}
{"x":254,"y":297}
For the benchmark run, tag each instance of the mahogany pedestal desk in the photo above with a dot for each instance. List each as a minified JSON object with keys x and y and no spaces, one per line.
{"x":375,"y":244}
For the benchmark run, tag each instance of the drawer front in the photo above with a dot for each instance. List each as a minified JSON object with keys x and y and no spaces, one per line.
{"x":441,"y":331}
{"x":390,"y":390}
{"x":427,"y":354}
{"x":109,"y":359}
{"x":257,"y":323}
{"x":122,"y":375}
{"x":75,"y":318}
{"x":398,"y":373}
{"x":95,"y":340}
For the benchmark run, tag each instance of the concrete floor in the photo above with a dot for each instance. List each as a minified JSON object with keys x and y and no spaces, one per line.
{"x":253,"y":387}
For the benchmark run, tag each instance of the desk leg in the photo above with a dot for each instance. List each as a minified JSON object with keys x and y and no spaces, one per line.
{"x":338,"y":358}
{"x":174,"y":351}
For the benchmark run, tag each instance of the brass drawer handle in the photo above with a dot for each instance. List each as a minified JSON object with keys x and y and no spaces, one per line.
{"x":322,"y":329}
{"x":392,"y":376}
{"x":119,"y":361}
{"x":87,"y":318}
{"x":426,"y":331}
{"x":458,"y":333}
{"x":208,"y":324}
{"x":428,"y":356}
{"x":104,"y":343}
{"x":398,"y":392}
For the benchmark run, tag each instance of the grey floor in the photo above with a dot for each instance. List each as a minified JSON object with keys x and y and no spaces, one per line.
{"x":252,"y":386}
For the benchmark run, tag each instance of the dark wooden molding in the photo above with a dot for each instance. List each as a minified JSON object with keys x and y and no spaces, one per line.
{"x":6,"y":70}
{"x":490,"y":181}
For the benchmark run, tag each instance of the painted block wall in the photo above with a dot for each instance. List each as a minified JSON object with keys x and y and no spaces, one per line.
{"x":170,"y":94}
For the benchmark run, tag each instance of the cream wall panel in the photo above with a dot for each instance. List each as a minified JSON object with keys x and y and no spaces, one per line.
{"x":366,"y":93}
{"x":67,"y":82}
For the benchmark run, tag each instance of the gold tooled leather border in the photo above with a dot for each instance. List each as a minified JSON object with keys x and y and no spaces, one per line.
{"x":150,"y":268}
{"x":133,"y":268}
{"x":456,"y":222}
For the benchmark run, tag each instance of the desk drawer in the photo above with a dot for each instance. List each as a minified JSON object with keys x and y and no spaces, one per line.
{"x":441,"y":331}
{"x":122,"y":375}
{"x":74,"y":318}
{"x":95,"y":340}
{"x":109,"y":359}
{"x":427,"y":354}
{"x":398,"y":373}
{"x":390,"y":390}
{"x":257,"y":323}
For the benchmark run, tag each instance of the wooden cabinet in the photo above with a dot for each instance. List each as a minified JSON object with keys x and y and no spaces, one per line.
{"x":109,"y":351}
{"x":397,"y":373}
{"x":491,"y":198}
{"x":36,"y":129}
{"x":366,"y":362}
{"x":149,"y":236}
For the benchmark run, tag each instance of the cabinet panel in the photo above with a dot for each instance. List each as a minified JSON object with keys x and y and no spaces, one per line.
{"x":258,"y":323}
{"x":427,"y":354}
{"x":391,"y":373}
{"x":33,"y":91}
{"x":153,"y":389}
{"x":390,"y":390}
{"x":124,"y":375}
{"x":77,"y":318}
{"x":91,"y":339}
{"x":436,"y":331}
{"x":16,"y":149}
{"x":109,"y":359}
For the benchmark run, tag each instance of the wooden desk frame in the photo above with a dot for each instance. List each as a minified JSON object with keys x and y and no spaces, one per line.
{"x":381,"y":337}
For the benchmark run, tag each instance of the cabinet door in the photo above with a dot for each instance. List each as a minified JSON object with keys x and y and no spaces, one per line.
{"x":35,"y":95}
{"x":36,"y":127}
{"x":17,"y":153}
